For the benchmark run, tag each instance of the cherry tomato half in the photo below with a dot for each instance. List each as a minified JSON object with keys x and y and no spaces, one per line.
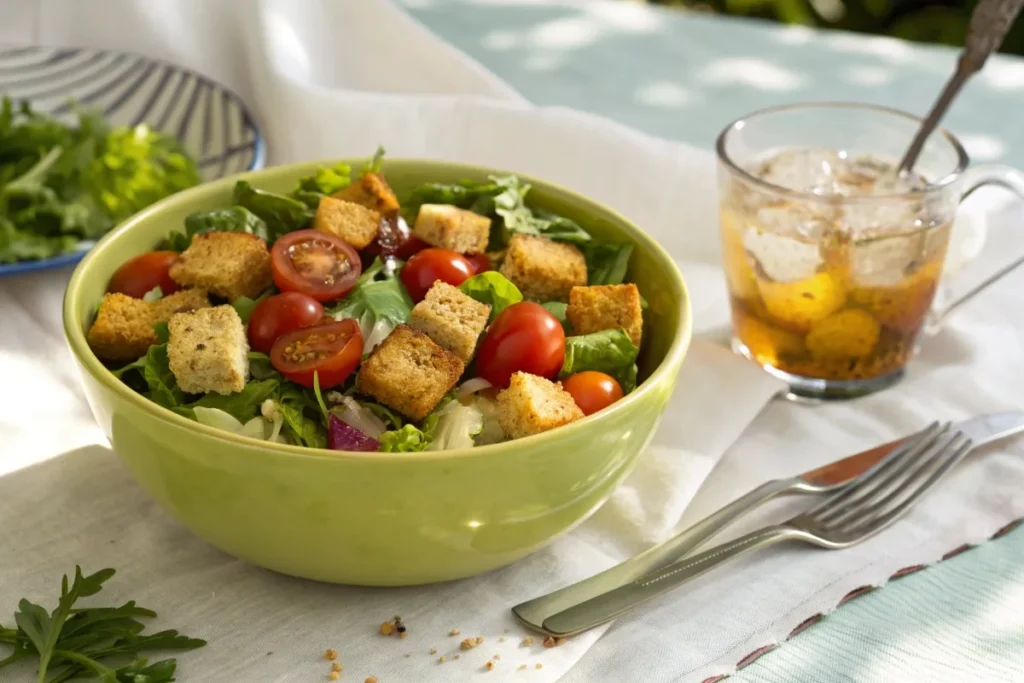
{"x":332,"y":351}
{"x":480,"y":263}
{"x":525,"y":337}
{"x":144,"y":272}
{"x":394,"y":239}
{"x":314,"y":263}
{"x":592,"y":390}
{"x":424,"y":267}
{"x":280,"y":314}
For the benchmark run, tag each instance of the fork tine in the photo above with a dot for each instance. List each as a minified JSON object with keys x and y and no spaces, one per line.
{"x":870,"y":526}
{"x":907,"y":452}
{"x":896,"y":486}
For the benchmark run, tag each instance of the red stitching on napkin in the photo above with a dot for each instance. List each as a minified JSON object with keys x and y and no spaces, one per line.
{"x":856,"y":593}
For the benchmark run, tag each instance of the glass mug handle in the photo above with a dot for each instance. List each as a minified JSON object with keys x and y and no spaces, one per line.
{"x":973,"y":178}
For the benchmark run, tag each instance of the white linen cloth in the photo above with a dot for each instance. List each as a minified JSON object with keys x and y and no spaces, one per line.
{"x":333,"y":79}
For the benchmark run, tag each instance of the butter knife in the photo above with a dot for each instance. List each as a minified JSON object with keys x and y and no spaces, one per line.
{"x":533,"y":613}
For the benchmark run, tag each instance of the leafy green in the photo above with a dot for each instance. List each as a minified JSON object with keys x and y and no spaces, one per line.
{"x":303,"y":423}
{"x":244,"y":306}
{"x":516,"y":217}
{"x":380,"y":305}
{"x":466,"y":194}
{"x":260,"y":367}
{"x":558,"y":309}
{"x":231,"y":219}
{"x":280,"y":213}
{"x":408,"y":438}
{"x":77,"y":643}
{"x":318,"y":395}
{"x":163,"y":332}
{"x":607,"y":262}
{"x":163,"y":387}
{"x":154,"y":294}
{"x":493,"y":289}
{"x":374,"y":163}
{"x":60,"y":185}
{"x":326,"y":181}
{"x":243,"y":405}
{"x":455,"y":426}
{"x":608,"y":351}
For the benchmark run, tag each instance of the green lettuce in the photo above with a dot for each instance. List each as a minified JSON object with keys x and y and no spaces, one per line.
{"x":493,"y":289}
{"x":281,"y":214}
{"x":303,"y":422}
{"x":607,"y":262}
{"x":378,"y":302}
{"x":408,"y":438}
{"x":231,"y":219}
{"x":609,"y":351}
{"x":243,"y":405}
{"x":558,"y":309}
{"x":325,"y":181}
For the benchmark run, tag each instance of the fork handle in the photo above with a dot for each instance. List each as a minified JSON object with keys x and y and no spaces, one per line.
{"x":610,"y":605}
{"x":534,"y":613}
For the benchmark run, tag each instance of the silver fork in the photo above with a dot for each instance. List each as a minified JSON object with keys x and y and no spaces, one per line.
{"x":844,"y":518}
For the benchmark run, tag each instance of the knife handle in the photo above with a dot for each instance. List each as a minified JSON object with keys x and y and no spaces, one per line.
{"x":534,"y":612}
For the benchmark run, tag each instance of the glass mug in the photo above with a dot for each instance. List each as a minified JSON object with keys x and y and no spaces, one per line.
{"x":832,"y":260}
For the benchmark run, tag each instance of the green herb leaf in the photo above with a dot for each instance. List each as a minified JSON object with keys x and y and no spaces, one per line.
{"x":608,"y":351}
{"x":494,"y":289}
{"x":607,"y":262}
{"x":302,"y":418}
{"x":280,"y":213}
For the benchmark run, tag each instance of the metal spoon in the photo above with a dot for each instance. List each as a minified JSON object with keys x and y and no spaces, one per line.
{"x":989,"y":25}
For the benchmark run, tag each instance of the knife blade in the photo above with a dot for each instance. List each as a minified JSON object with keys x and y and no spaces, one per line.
{"x":533,"y":613}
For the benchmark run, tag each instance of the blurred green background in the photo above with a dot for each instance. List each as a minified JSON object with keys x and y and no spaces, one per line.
{"x":931,"y":21}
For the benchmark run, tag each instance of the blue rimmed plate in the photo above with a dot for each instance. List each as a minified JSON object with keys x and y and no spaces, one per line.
{"x":212,"y":123}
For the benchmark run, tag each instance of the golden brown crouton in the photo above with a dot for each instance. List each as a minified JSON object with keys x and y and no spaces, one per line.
{"x":228,"y":264}
{"x":371,"y":191}
{"x":452,"y":319}
{"x":179,"y":302}
{"x":409,"y":372}
{"x":606,"y":307}
{"x":450,"y":227}
{"x":123,"y":330}
{"x":208,"y":350}
{"x":352,"y":222}
{"x":533,"y":404}
{"x":543,"y":270}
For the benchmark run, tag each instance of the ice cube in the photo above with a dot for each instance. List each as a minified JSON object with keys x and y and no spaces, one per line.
{"x":803,"y":169}
{"x":783,"y":257}
{"x":886,"y":261}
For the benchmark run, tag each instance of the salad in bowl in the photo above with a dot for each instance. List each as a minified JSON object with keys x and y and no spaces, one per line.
{"x":342,"y":316}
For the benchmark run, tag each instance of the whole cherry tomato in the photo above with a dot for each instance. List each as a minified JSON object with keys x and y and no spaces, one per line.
{"x":280,"y":314}
{"x":144,"y":272}
{"x":480,"y":263}
{"x":314,"y":263}
{"x":425,"y":267}
{"x":332,"y":351}
{"x":524,"y":337}
{"x":592,"y":390}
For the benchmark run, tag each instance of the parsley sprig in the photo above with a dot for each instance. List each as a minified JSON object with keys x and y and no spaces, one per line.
{"x":92,"y":643}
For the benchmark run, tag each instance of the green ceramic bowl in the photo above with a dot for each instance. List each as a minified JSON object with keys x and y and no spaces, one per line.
{"x":380,"y":519}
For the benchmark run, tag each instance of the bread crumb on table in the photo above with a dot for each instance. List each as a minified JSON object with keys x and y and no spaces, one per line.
{"x":335,"y":675}
{"x":490,"y":665}
{"x":539,"y":665}
{"x":336,"y":666}
{"x":527,"y":641}
{"x":433,"y":651}
{"x":371,"y":679}
{"x":551,"y":641}
{"x":454,"y":632}
{"x":331,"y":654}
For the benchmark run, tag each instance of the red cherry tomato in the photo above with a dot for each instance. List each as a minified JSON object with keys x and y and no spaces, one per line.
{"x":332,"y":351}
{"x":280,"y":314}
{"x":314,"y":263}
{"x":394,"y":239}
{"x":480,"y":263}
{"x":592,"y":390}
{"x":525,"y":337}
{"x":144,"y":272}
{"x":423,"y":268}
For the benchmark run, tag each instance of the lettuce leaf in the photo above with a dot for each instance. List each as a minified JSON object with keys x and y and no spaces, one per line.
{"x":607,"y":262}
{"x":378,"y":302}
{"x":325,"y":181}
{"x":231,"y":219}
{"x":493,"y":289}
{"x":281,"y":214}
{"x":163,"y":387}
{"x":244,"y":405}
{"x":409,"y":438}
{"x":609,"y":351}
{"x":303,"y":422}
{"x":456,"y":426}
{"x":558,"y":309}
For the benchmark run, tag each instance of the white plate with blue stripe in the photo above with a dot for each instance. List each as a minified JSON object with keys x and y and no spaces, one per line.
{"x":211,"y":122}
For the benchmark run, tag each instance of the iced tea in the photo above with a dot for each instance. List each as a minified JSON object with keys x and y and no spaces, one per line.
{"x":831,"y":288}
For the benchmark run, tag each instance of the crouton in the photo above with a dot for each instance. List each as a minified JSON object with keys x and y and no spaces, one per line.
{"x":452,"y":319}
{"x":123,"y":330}
{"x":450,"y":227}
{"x":409,"y":372}
{"x":371,"y":191}
{"x":543,"y":270}
{"x":208,"y":350}
{"x":532,"y":405}
{"x":181,"y":301}
{"x":355,"y":224}
{"x":606,"y":307}
{"x":228,"y":264}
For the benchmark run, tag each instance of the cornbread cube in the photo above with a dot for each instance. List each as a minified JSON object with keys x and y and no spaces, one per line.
{"x":352,"y":222}
{"x":208,"y":350}
{"x":533,"y":404}
{"x":371,"y":191}
{"x":409,"y":372}
{"x":544,"y":270}
{"x":228,"y":264}
{"x":451,"y":318}
{"x":606,"y":307}
{"x":450,"y":227}
{"x":123,"y":330}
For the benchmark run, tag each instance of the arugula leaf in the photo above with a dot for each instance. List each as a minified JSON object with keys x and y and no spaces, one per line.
{"x":231,"y":219}
{"x":301,"y":414}
{"x":408,"y":438}
{"x":260,"y":367}
{"x":163,"y":387}
{"x":379,"y":305}
{"x":607,"y":262}
{"x":243,"y":405}
{"x":493,"y":289}
{"x":558,"y":309}
{"x":516,"y":217}
{"x":608,"y":351}
{"x":280,"y":213}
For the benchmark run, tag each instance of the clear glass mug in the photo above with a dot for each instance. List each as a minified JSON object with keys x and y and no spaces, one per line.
{"x":831,"y":291}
